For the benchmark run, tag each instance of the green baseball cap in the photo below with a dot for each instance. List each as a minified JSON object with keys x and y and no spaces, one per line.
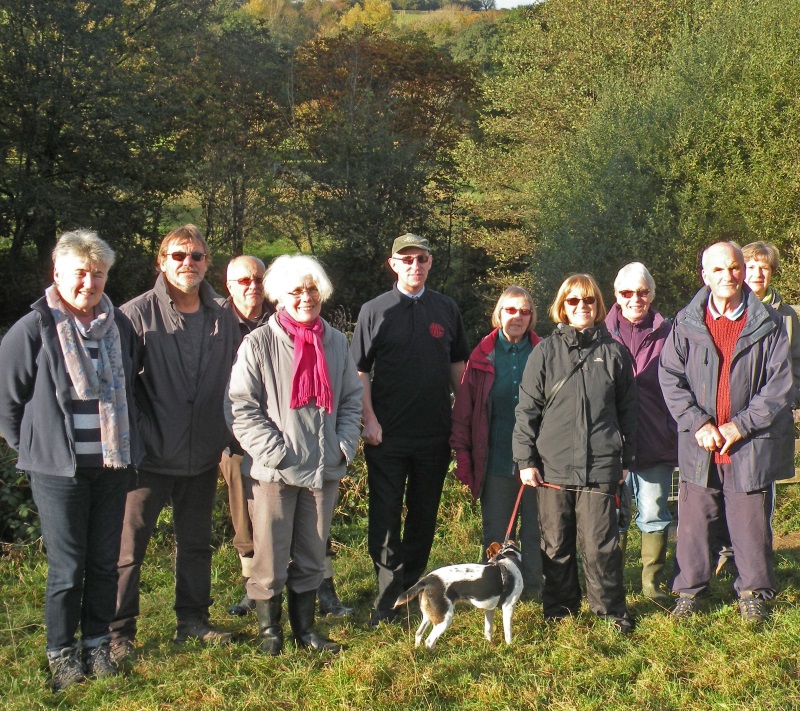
{"x":410,"y":240}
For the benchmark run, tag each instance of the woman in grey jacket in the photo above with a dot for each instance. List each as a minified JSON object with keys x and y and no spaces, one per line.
{"x":574,"y":434}
{"x":295,"y":407}
{"x":67,"y":409}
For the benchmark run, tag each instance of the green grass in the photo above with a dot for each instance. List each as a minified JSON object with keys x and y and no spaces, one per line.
{"x":710,"y":662}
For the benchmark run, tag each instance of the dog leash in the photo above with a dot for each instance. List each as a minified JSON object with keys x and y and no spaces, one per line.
{"x":514,"y":513}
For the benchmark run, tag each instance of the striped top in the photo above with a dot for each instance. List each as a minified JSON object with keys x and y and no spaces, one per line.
{"x":86,"y":420}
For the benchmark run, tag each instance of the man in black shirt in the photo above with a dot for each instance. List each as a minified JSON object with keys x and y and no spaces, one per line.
{"x":412,"y":340}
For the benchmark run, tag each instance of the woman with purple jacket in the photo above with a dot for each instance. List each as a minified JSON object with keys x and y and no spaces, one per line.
{"x":642,"y":330}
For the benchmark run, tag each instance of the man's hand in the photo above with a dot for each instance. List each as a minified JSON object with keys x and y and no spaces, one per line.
{"x":731,"y":435}
{"x":372,"y":432}
{"x":709,"y":437}
{"x":530,"y":476}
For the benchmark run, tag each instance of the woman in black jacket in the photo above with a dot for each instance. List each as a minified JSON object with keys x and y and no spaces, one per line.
{"x":574,"y":436}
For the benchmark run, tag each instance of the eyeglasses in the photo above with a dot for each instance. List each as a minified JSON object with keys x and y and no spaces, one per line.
{"x":574,"y":300}
{"x":181,"y":256}
{"x":513,"y":311}
{"x":246,"y":281}
{"x":312,"y":291}
{"x":409,"y":259}
{"x":641,"y":293}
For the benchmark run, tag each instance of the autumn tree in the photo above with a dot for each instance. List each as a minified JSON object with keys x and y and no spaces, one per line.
{"x":377,"y":120}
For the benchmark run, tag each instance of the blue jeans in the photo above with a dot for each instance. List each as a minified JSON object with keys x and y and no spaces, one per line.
{"x":650,"y":489}
{"x":81,"y":519}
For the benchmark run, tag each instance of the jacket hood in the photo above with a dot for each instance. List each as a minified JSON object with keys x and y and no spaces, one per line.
{"x":758,"y":315}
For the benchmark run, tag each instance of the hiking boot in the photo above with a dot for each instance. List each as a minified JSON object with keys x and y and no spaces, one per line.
{"x":122,"y":653}
{"x":97,"y":661}
{"x":329,"y":602}
{"x":752,"y":607}
{"x":201,"y":630}
{"x":65,"y":668}
{"x":378,"y":616}
{"x":685,"y":607}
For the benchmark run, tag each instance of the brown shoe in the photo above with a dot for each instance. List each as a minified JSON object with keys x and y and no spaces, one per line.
{"x":201,"y":630}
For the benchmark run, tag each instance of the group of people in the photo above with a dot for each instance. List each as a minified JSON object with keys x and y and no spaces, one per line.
{"x":115,"y":413}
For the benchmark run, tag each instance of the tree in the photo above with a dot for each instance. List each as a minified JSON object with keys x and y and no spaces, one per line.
{"x":705,"y":150}
{"x":376,"y":122}
{"x":93,"y":122}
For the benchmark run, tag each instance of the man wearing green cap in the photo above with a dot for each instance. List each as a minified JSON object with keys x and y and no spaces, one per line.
{"x":410,"y":350}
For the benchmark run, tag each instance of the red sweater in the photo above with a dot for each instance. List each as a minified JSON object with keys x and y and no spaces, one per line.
{"x":724,"y":333}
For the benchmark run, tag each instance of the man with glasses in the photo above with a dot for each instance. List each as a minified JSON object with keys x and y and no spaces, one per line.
{"x":726,"y":375}
{"x":245,"y":282}
{"x":411,"y":339}
{"x":187,"y":342}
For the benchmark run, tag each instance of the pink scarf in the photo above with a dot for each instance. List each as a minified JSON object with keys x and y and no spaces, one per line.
{"x":310,"y":368}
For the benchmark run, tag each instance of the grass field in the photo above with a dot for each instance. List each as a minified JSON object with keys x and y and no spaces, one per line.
{"x":710,"y":662}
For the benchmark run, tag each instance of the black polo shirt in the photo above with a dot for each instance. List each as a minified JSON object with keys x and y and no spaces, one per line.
{"x":409,"y":345}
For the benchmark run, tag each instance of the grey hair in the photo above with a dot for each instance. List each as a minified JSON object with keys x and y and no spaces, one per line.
{"x":86,"y":244}
{"x":243,"y":259}
{"x":635,"y":271}
{"x":289,"y":270}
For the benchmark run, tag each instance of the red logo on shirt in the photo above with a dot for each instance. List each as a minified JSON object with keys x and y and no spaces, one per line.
{"x":437,"y":330}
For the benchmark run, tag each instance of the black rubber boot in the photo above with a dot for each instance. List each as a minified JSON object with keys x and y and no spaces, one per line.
{"x":329,"y":602}
{"x":269,"y":624}
{"x":302,"y":607}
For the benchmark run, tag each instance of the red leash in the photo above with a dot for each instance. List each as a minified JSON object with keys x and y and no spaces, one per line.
{"x":514,"y":512}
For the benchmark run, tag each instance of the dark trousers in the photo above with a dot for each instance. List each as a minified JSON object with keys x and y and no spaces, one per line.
{"x":192,"y":499}
{"x":703,"y":513}
{"x":231,"y":468}
{"x":411,"y":470}
{"x":81,"y":519}
{"x":497,"y":504}
{"x":586,"y":520}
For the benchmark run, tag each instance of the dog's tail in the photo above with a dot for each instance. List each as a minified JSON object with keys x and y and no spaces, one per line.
{"x":412,"y":592}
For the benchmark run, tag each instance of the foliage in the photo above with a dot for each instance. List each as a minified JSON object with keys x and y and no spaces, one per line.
{"x":376,"y":122}
{"x":18,"y":518}
{"x":93,"y":130}
{"x":375,"y":14}
{"x":704,"y":151}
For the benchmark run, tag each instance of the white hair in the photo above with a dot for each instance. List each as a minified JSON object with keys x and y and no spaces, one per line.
{"x":635,"y":272}
{"x":289,"y":271}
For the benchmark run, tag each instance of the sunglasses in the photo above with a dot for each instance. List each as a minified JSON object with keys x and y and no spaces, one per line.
{"x":181,"y":256}
{"x":513,"y":311}
{"x":246,"y":281}
{"x":312,"y":292}
{"x":641,"y":293}
{"x":574,"y":300}
{"x":409,"y":259}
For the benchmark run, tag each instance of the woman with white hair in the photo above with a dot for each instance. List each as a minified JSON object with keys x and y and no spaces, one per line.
{"x":66,"y":408}
{"x":634,"y":323}
{"x":295,"y":407}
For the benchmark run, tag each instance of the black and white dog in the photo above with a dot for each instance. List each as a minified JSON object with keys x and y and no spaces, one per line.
{"x":497,"y":583}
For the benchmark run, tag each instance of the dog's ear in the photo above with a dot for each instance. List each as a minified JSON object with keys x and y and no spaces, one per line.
{"x":492,"y":551}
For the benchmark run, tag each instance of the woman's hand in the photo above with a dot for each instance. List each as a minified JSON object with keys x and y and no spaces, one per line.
{"x":530,"y":476}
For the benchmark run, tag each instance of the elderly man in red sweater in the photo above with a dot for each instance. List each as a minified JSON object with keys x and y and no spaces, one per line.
{"x":726,"y":377}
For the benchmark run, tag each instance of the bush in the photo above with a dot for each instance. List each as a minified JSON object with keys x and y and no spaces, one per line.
{"x":19,"y":520}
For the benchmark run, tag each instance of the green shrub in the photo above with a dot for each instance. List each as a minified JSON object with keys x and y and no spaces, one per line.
{"x":19,"y":520}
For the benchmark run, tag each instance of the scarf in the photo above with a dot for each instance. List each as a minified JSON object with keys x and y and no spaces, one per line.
{"x":107,"y":383}
{"x":310,"y":368}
